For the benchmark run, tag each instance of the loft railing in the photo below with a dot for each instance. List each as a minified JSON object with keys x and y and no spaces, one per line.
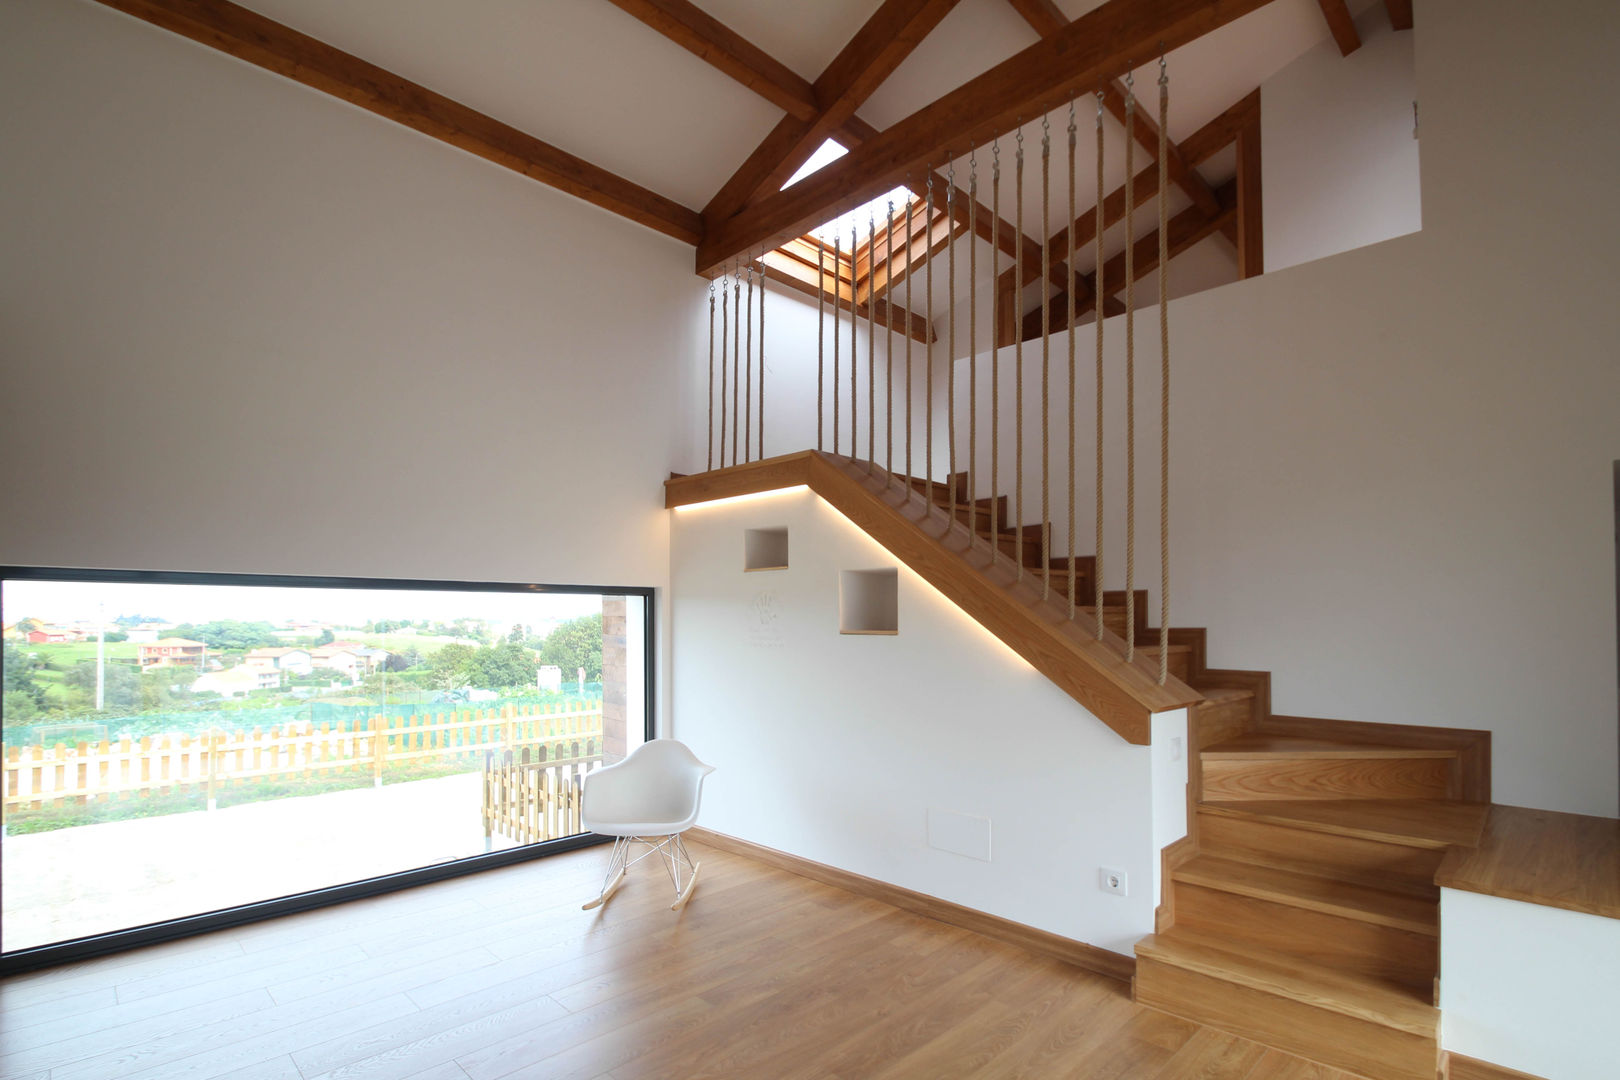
{"x":857,"y":285}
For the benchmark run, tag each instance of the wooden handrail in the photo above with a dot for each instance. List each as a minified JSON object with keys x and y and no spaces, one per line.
{"x":1122,"y":694}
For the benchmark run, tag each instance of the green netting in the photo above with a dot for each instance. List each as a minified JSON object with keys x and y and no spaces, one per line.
{"x":96,"y":726}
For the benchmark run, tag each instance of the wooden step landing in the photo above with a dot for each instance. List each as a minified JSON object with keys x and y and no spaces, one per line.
{"x":1434,"y":824}
{"x":1382,"y":907}
{"x":1360,"y":1023}
{"x":1287,"y":767}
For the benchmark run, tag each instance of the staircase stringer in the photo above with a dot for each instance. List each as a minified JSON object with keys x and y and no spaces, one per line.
{"x":945,"y":553}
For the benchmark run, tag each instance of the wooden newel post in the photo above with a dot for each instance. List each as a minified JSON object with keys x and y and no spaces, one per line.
{"x":379,"y":748}
{"x":213,"y":769}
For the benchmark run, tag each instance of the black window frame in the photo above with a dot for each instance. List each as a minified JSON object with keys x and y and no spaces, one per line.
{"x":135,"y":937}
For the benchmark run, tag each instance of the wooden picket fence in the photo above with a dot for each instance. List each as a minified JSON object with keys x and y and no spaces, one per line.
{"x":529,"y":798}
{"x":36,"y":776}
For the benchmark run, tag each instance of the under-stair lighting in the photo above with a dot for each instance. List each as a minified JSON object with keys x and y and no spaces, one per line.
{"x":743,"y":498}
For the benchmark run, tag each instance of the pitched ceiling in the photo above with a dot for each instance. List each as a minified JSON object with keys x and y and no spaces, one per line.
{"x":586,"y":77}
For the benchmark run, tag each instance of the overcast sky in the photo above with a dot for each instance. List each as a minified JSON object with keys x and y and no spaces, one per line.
{"x":68,"y":601}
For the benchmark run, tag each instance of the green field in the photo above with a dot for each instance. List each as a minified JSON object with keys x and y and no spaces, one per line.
{"x":62,"y":659}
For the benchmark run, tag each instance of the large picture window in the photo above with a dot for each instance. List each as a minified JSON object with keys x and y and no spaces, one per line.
{"x":184,"y":745}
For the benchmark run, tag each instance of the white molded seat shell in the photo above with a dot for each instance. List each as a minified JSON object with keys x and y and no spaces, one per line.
{"x":653,"y":792}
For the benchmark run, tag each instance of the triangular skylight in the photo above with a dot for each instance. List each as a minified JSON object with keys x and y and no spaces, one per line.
{"x":860,"y":219}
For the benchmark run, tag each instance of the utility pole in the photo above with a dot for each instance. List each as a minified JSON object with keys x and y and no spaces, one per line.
{"x":101,"y":655}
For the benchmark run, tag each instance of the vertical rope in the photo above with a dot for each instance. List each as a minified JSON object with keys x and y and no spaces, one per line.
{"x":909,"y":310}
{"x":762,"y":357}
{"x":1130,"y":374}
{"x":871,"y":344}
{"x":950,"y":346}
{"x":1018,"y":364}
{"x":710,"y":443}
{"x":854,"y":362}
{"x":725,"y":317}
{"x":928,"y":375}
{"x":996,"y":319}
{"x":973,"y":349}
{"x":821,"y":339}
{"x":748,"y":371}
{"x":736,"y":355}
{"x":1098,"y":296}
{"x":1164,"y":376}
{"x":1069,"y":277}
{"x":1046,"y":361}
{"x":838,"y":264}
{"x":888,"y":343}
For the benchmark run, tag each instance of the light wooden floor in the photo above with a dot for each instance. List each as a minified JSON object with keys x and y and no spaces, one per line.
{"x":500,"y":975}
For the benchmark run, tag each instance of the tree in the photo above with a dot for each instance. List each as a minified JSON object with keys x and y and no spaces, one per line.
{"x":325,"y":638}
{"x":20,"y":707}
{"x":576,"y":644}
{"x":19,"y":679}
{"x":453,"y":666}
{"x":505,"y":665}
{"x":121,"y":688}
{"x":228,"y":634}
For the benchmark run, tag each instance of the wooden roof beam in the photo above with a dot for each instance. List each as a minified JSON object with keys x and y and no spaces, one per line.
{"x":794,"y":274}
{"x":1400,"y":13}
{"x":1337,"y":14}
{"x":870,"y":57}
{"x":1119,"y":35}
{"x":1187,"y":229}
{"x":265,"y":43}
{"x":1047,"y":20}
{"x":695,"y":30}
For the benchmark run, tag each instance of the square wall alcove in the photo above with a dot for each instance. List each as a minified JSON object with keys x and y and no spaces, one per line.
{"x":869,"y":601}
{"x":765,"y":549}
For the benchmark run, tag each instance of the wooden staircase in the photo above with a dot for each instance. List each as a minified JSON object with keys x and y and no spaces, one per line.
{"x":1302,"y":910}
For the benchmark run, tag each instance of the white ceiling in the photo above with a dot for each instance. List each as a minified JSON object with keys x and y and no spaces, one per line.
{"x":586,"y":77}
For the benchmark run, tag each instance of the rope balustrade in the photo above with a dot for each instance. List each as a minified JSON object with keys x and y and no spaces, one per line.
{"x":821,"y":342}
{"x":1130,"y":374}
{"x":973,"y":348}
{"x":740,"y":397}
{"x":1018,"y":365}
{"x":748,"y":370}
{"x":1046,"y":363}
{"x":888,"y":343}
{"x":950,"y":347}
{"x":1098,"y":292}
{"x":709,"y":443}
{"x":1164,"y":376}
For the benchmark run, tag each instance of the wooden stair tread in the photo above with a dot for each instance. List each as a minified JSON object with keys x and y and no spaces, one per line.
{"x":1216,"y":696}
{"x":1399,"y":910}
{"x":1295,"y":746}
{"x":1361,"y":997}
{"x":1425,"y":823}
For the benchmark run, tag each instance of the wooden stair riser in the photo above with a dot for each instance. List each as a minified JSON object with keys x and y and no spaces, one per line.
{"x":1346,"y":944}
{"x":1180,"y":659}
{"x":1344,"y":858}
{"x":1321,"y":1034}
{"x":1223,"y":718}
{"x":1283,"y":777}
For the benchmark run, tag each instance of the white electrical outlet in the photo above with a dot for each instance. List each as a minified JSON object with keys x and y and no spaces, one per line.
{"x":1113,"y":881}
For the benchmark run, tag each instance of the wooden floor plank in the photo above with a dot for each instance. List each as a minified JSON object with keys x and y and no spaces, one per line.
{"x":502,"y":977}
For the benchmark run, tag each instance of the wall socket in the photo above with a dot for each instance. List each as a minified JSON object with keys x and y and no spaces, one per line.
{"x":1113,"y":881}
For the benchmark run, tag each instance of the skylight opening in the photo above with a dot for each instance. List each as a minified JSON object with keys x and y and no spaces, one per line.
{"x":859,"y":220}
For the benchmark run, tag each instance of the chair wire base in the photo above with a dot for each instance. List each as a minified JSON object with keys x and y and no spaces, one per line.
{"x":672,"y":851}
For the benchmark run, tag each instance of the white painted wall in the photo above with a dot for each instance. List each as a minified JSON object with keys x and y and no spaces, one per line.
{"x":790,"y":384}
{"x":1392,"y":467}
{"x":206,"y":264}
{"x":1527,"y":986}
{"x":836,"y":747}
{"x":1339,"y":160}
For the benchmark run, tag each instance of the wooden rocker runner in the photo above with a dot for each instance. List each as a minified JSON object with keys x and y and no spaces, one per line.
{"x":649,"y":798}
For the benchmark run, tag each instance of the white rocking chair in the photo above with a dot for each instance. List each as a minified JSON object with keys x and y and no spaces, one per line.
{"x":649,"y":798}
